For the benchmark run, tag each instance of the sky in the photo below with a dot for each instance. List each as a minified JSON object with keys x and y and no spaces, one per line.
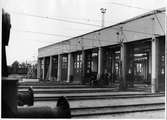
{"x":37,"y":23}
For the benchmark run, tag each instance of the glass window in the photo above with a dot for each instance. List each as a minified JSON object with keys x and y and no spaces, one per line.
{"x":77,"y":57}
{"x":81,"y":57}
{"x":77,"y":64}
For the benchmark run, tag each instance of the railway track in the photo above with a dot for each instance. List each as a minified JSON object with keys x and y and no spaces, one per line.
{"x":119,"y":109}
{"x":93,"y":97}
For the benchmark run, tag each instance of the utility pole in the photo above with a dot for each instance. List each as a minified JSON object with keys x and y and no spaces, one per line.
{"x":100,"y":50}
{"x":103,"y":11}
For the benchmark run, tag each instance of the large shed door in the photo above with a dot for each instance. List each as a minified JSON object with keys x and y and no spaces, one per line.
{"x":78,"y":67}
{"x":64,"y":67}
{"x":54,"y":67}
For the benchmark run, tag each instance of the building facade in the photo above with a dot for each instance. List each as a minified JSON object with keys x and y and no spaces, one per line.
{"x":127,"y":53}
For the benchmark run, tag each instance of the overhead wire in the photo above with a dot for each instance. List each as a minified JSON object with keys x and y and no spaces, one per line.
{"x":60,"y":17}
{"x":34,"y":32}
{"x":27,"y":14}
{"x":87,"y":38}
{"x":60,"y":35}
{"x":51,"y":34}
{"x":125,"y":5}
{"x":130,"y":6}
{"x":41,"y":40}
{"x":57,"y":19}
{"x":69,"y":21}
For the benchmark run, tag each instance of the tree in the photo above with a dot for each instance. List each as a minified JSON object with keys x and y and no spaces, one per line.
{"x":32,"y":72}
{"x":23,"y":65}
{"x":15,"y":66}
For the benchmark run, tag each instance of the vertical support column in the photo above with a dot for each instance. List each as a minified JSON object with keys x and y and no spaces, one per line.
{"x":150,"y":65}
{"x":59,"y":68}
{"x":133,"y":67}
{"x":83,"y":65}
{"x":147,"y":67}
{"x":123,"y":67}
{"x":155,"y":65}
{"x":100,"y":63}
{"x":113,"y":67}
{"x":166,"y":65}
{"x":70,"y":67}
{"x":39,"y":69}
{"x":145,"y":70}
{"x":50,"y":68}
{"x":43,"y":72}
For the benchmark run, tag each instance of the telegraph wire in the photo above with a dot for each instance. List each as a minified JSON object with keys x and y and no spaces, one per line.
{"x":127,"y":30}
{"x":54,"y":18}
{"x":48,"y":41}
{"x":125,"y":5}
{"x":70,"y":18}
{"x":49,"y":34}
{"x":130,"y":6}
{"x":60,"y":35}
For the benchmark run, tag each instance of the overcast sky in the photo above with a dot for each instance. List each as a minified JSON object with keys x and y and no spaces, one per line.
{"x":37,"y":23}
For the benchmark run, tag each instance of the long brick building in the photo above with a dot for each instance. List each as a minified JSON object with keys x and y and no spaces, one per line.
{"x":130,"y":52}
